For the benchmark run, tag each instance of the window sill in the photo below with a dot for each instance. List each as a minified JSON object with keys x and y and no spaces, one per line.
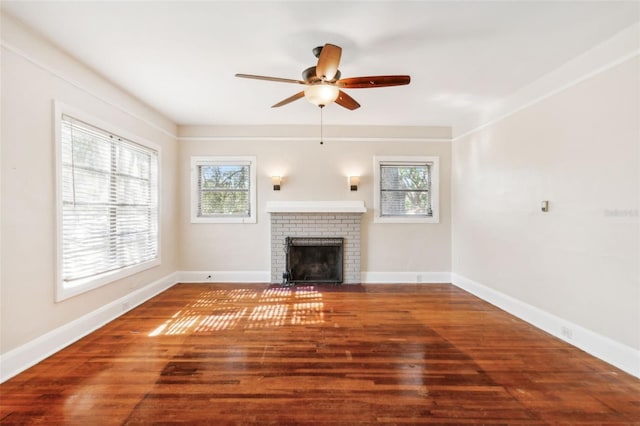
{"x":223,"y":220}
{"x":67,"y":290}
{"x":405,"y":219}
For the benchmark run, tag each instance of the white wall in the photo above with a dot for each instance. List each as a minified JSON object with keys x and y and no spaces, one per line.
{"x":579,"y":149}
{"x":34,"y":74}
{"x":316,"y":172}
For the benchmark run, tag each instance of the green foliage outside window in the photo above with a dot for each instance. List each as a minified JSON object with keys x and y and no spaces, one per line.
{"x":405,"y":190}
{"x":224,"y":190}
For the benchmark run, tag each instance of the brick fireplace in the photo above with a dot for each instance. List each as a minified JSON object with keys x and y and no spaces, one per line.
{"x":331,"y":219}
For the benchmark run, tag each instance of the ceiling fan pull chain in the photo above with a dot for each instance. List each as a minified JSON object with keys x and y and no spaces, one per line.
{"x":321,"y":141}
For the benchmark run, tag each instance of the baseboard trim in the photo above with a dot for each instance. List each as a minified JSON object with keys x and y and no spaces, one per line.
{"x":405,"y":277}
{"x":224,"y":276}
{"x":21,"y":358}
{"x":602,"y":347}
{"x":265,"y":277}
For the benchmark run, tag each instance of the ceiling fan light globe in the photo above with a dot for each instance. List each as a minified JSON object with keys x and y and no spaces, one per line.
{"x":321,"y":94}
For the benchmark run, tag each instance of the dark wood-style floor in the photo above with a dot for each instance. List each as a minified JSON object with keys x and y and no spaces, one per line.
{"x":325,"y":355}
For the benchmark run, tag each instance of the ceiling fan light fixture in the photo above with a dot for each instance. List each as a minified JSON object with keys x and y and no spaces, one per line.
{"x":321,"y":94}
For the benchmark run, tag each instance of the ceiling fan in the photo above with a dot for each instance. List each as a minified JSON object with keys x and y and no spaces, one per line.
{"x":324,"y":84}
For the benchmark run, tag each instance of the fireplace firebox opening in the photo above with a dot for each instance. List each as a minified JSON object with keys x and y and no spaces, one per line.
{"x":313,"y":260}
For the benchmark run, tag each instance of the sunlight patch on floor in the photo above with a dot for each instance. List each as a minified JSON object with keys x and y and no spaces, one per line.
{"x":215,"y":310}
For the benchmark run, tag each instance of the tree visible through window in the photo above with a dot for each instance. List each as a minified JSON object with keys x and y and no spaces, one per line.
{"x":405,"y":189}
{"x":223,"y":189}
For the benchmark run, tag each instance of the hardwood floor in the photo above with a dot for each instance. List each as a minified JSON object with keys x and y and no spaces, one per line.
{"x":351,"y":354}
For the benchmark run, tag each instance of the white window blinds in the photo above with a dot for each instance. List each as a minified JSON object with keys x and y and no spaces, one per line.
{"x":405,"y":189}
{"x":224,"y":189}
{"x":109,"y":190}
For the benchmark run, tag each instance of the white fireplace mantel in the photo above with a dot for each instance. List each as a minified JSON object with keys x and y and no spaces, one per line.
{"x":316,"y":207}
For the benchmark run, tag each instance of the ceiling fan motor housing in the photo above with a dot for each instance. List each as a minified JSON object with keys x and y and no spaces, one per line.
{"x":309,"y":75}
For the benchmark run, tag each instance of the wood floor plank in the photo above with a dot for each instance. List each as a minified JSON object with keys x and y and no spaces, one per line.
{"x":351,"y":354}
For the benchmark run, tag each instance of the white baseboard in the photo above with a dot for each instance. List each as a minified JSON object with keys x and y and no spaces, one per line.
{"x":405,"y":277}
{"x":224,"y":276}
{"x":19,"y":359}
{"x":265,"y":277}
{"x":602,"y":347}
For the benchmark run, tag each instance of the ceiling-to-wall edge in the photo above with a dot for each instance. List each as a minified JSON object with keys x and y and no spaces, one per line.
{"x":312,"y":132}
{"x":21,"y":40}
{"x":623,"y":46}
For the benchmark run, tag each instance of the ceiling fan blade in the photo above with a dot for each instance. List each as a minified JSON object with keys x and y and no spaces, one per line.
{"x":374,"y":81}
{"x":347,"y":101}
{"x":289,"y":100}
{"x":276,"y":79}
{"x":328,"y":62}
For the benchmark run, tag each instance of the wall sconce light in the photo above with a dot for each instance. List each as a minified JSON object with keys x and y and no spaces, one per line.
{"x":354,"y":181}
{"x":276,"y":181}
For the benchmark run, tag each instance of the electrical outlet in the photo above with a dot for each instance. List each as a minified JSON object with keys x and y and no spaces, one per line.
{"x":566,"y":332}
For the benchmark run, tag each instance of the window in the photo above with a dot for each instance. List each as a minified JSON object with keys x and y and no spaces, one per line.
{"x":223,"y":190}
{"x":406,"y":189}
{"x":107,"y":205}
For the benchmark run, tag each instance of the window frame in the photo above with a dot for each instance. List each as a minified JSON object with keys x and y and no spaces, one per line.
{"x":64,"y":290}
{"x":434,"y":161}
{"x":196,"y":162}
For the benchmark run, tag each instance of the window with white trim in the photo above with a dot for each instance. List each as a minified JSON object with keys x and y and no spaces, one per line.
{"x":406,"y":189}
{"x":107,"y":188}
{"x":223,"y":189}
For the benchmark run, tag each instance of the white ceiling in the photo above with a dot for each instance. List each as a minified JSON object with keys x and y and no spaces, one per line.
{"x":180,"y":57}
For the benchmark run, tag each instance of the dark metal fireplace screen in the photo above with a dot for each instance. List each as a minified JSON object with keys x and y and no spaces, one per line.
{"x":313,"y":260}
